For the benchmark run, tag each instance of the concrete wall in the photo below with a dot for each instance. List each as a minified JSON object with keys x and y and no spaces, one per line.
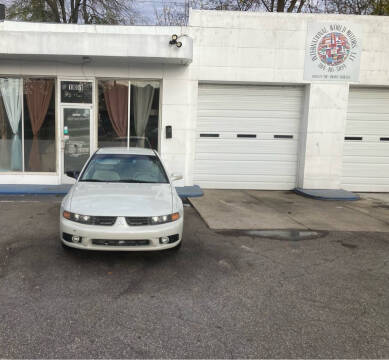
{"x":265,"y":48}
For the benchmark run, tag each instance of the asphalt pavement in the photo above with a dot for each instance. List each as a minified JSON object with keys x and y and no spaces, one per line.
{"x":223,"y":295}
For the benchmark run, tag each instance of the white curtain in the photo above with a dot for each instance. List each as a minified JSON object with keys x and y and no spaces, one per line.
{"x":12,"y":94}
{"x":143,"y":100}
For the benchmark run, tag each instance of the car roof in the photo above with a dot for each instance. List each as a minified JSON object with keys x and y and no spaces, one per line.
{"x":126,"y":150}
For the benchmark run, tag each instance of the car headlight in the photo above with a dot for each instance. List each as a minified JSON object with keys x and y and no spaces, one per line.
{"x":155,"y":220}
{"x":83,"y":219}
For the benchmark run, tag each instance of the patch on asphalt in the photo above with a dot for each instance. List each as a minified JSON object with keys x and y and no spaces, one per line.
{"x":286,"y":235}
{"x":382,"y":206}
{"x":348,"y":245}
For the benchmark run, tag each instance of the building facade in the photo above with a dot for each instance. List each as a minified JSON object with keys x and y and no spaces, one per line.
{"x":249,"y":101}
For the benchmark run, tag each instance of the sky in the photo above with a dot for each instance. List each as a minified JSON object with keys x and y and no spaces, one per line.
{"x":148,"y":7}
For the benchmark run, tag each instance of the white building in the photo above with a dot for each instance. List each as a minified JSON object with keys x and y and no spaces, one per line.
{"x":252,"y":100}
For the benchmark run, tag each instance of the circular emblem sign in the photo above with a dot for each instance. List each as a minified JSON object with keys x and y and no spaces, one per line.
{"x":333,"y":52}
{"x":333,"y":49}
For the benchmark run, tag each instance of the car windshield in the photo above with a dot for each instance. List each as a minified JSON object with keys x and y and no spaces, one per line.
{"x":124,"y":168}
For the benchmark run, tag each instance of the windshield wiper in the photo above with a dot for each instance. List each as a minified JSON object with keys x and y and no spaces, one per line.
{"x":130,"y":181}
{"x":92,"y":180}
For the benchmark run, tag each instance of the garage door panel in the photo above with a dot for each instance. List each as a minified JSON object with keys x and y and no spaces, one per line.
{"x":361,"y":116}
{"x":236,"y":146}
{"x":244,"y":168}
{"x":248,"y":157}
{"x":366,"y":181}
{"x":363,"y":108}
{"x":366,"y":170}
{"x":254,"y":125}
{"x":257,"y":91}
{"x":224,"y":113}
{"x":248,"y":182}
{"x":232,"y":162}
{"x":253,"y":106}
{"x":262,"y":185}
{"x":356,"y":159}
{"x":366,"y":161}
{"x":374,"y":127}
{"x":370,"y":150}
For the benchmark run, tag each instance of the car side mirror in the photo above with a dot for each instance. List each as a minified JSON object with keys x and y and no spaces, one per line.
{"x":73,"y":174}
{"x":175,"y":177}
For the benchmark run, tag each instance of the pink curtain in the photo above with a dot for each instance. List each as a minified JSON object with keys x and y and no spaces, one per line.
{"x":38,"y":93}
{"x":116,"y":100}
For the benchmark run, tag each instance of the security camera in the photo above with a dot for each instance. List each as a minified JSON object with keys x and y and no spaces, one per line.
{"x":174,"y":41}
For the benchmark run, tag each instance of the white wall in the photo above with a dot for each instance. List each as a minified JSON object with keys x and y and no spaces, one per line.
{"x":323,"y":130}
{"x":264,"y":48}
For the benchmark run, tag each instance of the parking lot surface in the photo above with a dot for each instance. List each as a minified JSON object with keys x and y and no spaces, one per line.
{"x":224,"y":295}
{"x":258,"y":209}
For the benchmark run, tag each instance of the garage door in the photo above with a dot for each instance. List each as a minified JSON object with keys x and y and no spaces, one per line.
{"x":247,"y":136}
{"x":366,"y":147}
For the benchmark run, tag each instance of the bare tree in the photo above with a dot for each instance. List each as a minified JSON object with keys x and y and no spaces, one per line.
{"x":168,"y":15}
{"x":358,"y":7}
{"x":74,"y":11}
{"x":251,"y":5}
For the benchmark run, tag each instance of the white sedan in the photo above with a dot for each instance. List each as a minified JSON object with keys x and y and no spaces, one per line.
{"x":122,"y":200}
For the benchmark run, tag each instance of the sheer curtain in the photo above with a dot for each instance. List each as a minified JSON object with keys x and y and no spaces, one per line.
{"x":11,"y":92}
{"x":143,"y":100}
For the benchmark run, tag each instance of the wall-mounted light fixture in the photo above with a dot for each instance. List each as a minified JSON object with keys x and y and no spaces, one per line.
{"x":174,"y":41}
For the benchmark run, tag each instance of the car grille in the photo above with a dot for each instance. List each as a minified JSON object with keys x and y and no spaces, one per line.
{"x":138,"y":221}
{"x":103,"y":220}
{"x":104,"y":242}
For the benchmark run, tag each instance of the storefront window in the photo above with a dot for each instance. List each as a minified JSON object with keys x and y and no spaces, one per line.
{"x":113,"y":113}
{"x":39,"y":125}
{"x":27,"y":106}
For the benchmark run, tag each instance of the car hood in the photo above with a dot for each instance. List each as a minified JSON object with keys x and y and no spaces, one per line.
{"x":116,"y":199}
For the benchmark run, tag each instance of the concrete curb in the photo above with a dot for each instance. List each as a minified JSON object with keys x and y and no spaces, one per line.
{"x":327,"y":194}
{"x":29,"y":189}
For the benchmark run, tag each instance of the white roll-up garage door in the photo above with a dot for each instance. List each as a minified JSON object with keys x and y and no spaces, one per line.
{"x":247,"y":136}
{"x":366,"y":146}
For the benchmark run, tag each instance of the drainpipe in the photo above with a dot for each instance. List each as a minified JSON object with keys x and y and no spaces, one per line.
{"x":2,"y":12}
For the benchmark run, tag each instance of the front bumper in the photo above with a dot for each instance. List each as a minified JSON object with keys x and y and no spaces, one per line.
{"x":121,"y":231}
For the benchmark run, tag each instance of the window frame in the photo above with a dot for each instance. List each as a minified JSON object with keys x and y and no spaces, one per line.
{"x":129,"y":80}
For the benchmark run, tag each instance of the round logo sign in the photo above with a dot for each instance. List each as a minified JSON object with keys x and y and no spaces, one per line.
{"x":333,"y":49}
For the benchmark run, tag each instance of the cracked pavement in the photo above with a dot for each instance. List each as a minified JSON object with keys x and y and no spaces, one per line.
{"x":224,"y":295}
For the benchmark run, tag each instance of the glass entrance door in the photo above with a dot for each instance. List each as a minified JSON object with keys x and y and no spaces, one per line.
{"x":76,"y":138}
